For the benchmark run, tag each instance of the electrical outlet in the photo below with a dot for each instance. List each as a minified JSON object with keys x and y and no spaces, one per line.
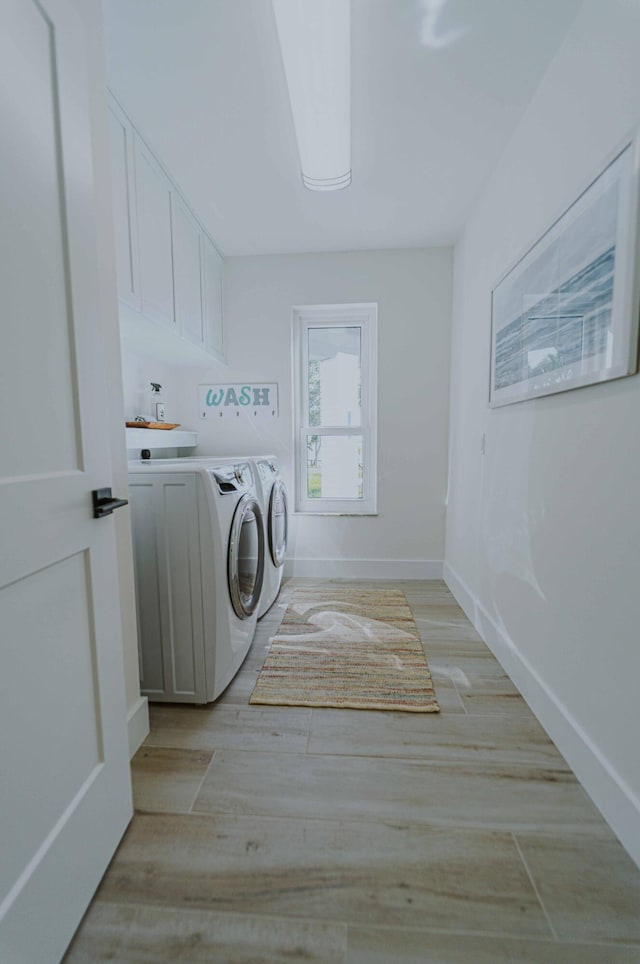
{"x":160,"y":412}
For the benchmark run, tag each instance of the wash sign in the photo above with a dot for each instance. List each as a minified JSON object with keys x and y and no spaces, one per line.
{"x":254,"y":400}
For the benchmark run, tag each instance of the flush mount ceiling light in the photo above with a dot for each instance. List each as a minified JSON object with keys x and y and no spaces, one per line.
{"x":315,"y":40}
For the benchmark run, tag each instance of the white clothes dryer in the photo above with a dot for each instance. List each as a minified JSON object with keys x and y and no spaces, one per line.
{"x":273,"y":496}
{"x":199,"y":549}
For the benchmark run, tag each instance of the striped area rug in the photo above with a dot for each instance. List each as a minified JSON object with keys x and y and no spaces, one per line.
{"x":347,"y":648}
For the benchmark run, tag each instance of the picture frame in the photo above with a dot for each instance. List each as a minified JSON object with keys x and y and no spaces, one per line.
{"x":565,"y":315}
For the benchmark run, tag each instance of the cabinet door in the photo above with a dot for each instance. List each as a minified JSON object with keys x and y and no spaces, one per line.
{"x":153,"y":194}
{"x":148,"y":587}
{"x":187,"y":286}
{"x":124,"y":207}
{"x":212,"y":298}
{"x":166,"y":543}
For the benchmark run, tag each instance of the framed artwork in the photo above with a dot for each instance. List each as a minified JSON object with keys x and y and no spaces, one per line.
{"x":566,"y":314}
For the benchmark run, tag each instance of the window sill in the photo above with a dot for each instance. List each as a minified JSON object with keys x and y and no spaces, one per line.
{"x":351,"y":515}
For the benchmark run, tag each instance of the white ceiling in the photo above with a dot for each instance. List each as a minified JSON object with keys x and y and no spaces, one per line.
{"x":438,"y":87}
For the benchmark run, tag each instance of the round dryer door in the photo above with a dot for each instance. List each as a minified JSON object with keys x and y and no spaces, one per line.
{"x":245,"y":563}
{"x":278,"y":523}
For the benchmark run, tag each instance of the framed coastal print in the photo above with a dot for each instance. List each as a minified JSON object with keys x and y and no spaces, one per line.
{"x":566,"y":314}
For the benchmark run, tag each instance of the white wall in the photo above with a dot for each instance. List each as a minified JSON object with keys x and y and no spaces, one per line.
{"x":413,"y":290}
{"x":543,"y":533}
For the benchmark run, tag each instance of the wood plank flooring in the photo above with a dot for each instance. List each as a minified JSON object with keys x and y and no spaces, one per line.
{"x":285,"y":834}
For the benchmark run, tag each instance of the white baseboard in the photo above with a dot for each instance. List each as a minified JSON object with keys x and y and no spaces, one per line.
{"x":608,"y":790}
{"x":461,"y":591}
{"x":364,"y":568}
{"x":138,"y":724}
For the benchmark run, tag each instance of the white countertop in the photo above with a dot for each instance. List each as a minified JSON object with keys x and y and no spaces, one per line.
{"x":154,"y":438}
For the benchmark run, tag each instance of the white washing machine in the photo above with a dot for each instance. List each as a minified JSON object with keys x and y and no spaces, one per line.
{"x":199,"y":549}
{"x":273,"y":496}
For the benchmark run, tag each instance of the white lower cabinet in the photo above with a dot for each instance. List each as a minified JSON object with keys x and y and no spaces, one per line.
{"x":166,"y":544}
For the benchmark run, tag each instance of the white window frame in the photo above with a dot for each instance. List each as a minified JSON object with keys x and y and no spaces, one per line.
{"x":364,"y":316}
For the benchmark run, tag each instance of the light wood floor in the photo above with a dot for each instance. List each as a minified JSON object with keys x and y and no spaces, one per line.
{"x":267,"y":834}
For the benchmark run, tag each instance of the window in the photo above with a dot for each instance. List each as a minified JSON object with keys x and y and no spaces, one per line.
{"x":335,"y":365}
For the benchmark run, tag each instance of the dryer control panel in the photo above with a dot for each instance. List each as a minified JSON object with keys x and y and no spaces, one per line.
{"x":232,"y":478}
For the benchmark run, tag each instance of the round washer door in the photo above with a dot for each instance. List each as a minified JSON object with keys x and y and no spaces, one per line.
{"x":278,"y":523}
{"x":245,"y":559}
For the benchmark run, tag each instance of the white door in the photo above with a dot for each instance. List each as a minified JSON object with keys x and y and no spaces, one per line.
{"x":64,"y":776}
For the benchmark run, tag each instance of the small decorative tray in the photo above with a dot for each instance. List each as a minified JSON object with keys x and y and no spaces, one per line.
{"x":162,"y":425}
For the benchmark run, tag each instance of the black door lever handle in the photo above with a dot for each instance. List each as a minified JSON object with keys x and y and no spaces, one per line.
{"x":104,"y":503}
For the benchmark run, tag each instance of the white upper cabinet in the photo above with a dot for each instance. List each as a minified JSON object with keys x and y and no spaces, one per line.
{"x":187,"y":287}
{"x":153,"y":196}
{"x":212,"y":298}
{"x":124,"y":209}
{"x":169,"y":270}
